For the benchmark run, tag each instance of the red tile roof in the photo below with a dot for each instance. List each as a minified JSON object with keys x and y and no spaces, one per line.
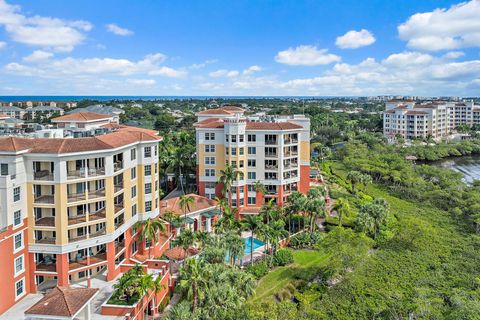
{"x":272,"y":126}
{"x":177,"y":253}
{"x":173,"y":204}
{"x":112,"y":140}
{"x":62,"y":302}
{"x":226,"y":110}
{"x":233,"y":108}
{"x":81,"y":116}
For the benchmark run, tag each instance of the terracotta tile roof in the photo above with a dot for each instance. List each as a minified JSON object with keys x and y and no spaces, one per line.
{"x":215,"y":111}
{"x":111,"y":140}
{"x":272,"y":126}
{"x":177,"y":253}
{"x":62,"y":302}
{"x":81,"y":116}
{"x":212,"y":123}
{"x":199,"y":203}
{"x":233,"y":108}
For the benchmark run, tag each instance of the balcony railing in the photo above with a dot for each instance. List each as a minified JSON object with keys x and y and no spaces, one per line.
{"x":44,"y":199}
{"x":45,"y":222}
{"x":119,"y":207}
{"x":44,"y":175}
{"x":100,"y":214}
{"x":118,"y":166}
{"x":45,"y":240}
{"x":290,"y":141}
{"x":271,"y":155}
{"x":271,"y":167}
{"x":270,"y":142}
{"x":96,"y":194}
{"x":73,"y":197}
{"x":290,"y":154}
{"x":85,"y":172}
{"x":77,"y":238}
{"x":118,"y":187}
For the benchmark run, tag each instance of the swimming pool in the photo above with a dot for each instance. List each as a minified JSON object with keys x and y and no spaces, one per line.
{"x":256,"y":244}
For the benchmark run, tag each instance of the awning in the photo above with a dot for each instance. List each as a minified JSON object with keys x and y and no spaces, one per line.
{"x":211,"y":213}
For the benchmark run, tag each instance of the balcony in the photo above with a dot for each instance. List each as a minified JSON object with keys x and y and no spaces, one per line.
{"x":271,"y":155}
{"x":43,"y":175}
{"x":77,"y":238}
{"x":290,"y":154}
{"x":74,"y":197}
{"x":118,"y":187}
{"x":45,"y":222}
{"x":47,"y":264}
{"x":84,"y":172}
{"x":271,"y":142}
{"x":81,"y":261}
{"x":119,"y":246}
{"x":117,"y":166}
{"x":45,"y":240}
{"x":100,"y":214}
{"x":44,"y":199}
{"x":290,"y":141}
{"x":119,"y":207}
{"x":271,"y":167}
{"x":100,"y":193}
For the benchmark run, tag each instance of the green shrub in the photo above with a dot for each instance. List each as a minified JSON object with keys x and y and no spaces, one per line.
{"x":259,"y":269}
{"x":283,"y":257}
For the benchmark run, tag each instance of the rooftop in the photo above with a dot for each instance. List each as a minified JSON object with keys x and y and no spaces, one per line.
{"x":62,"y":302}
{"x":114,"y":139}
{"x":199,"y":203}
{"x":81,"y":116}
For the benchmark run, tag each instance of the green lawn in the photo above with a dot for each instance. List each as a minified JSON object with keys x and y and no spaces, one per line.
{"x":279,"y":278}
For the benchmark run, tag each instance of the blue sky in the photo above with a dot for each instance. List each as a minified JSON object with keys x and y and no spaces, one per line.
{"x":56,"y":47}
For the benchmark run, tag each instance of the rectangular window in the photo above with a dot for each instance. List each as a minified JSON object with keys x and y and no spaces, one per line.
{"x":210,"y":160}
{"x":148,"y":170}
{"x":234,"y":163}
{"x":251,"y":138}
{"x":226,"y":151}
{"x":133,"y":154}
{"x":241,"y":151}
{"x":234,"y":151}
{"x":234,"y":138}
{"x":241,"y":138}
{"x":19,"y":265}
{"x":252,"y":175}
{"x":241,"y":164}
{"x":209,"y":148}
{"x":16,"y":194}
{"x":148,"y":206}
{"x":209,"y":136}
{"x":252,"y":150}
{"x":4,"y":169}
{"x":209,"y":172}
{"x":134,"y":211}
{"x":133,"y":173}
{"x":147,"y":152}
{"x":250,"y":187}
{"x":156,"y":151}
{"x":17,"y":218}
{"x":18,"y":241}
{"x":226,"y":138}
{"x":251,"y":200}
{"x":210,"y":185}
{"x":134,"y":191}
{"x":20,"y":288}
{"x":148,"y":188}
{"x":252,"y":163}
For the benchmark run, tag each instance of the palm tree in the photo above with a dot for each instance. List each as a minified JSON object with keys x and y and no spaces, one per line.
{"x":228,"y":175}
{"x":169,"y":216}
{"x":193,"y":280}
{"x":185,"y":202}
{"x":277,"y":232}
{"x":186,"y":239}
{"x":150,"y":230}
{"x":268,"y":210}
{"x":296,"y":204}
{"x":365,"y":179}
{"x":259,"y":188}
{"x":252,"y":223}
{"x":180,"y":311}
{"x":235,"y":245}
{"x":354,"y":177}
{"x":343,"y":209}
{"x":315,"y":206}
{"x":221,"y":204}
{"x":202,"y":238}
{"x":228,"y":222}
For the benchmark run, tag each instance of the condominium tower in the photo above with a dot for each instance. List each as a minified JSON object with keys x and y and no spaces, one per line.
{"x":272,"y":150}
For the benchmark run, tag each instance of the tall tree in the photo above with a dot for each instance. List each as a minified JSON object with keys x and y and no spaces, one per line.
{"x":186,"y":202}
{"x":354,"y":177}
{"x":227,"y":176}
{"x":252,"y":223}
{"x":235,"y":246}
{"x":149,"y":230}
{"x":193,"y":280}
{"x":342,"y":208}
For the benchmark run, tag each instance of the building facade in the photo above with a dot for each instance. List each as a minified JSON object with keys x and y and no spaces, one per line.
{"x":410,"y":120}
{"x":272,"y":150}
{"x":68,"y":207}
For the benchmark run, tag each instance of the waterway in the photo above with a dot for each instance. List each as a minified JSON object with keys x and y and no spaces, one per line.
{"x":468,"y":166}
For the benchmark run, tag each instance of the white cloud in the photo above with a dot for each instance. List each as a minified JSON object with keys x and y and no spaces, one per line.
{"x":119,"y":31}
{"x":407,"y":59}
{"x":38,"y":55}
{"x":252,"y":69}
{"x":51,"y":68}
{"x":46,"y":32}
{"x":142,"y":82}
{"x":444,"y":29}
{"x":203,"y":64}
{"x":306,"y":56}
{"x":3,"y":44}
{"x":355,"y":39}
{"x":224,"y":73}
{"x":454,"y":54}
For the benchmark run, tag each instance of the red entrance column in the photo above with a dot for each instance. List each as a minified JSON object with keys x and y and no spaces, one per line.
{"x":62,"y":269}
